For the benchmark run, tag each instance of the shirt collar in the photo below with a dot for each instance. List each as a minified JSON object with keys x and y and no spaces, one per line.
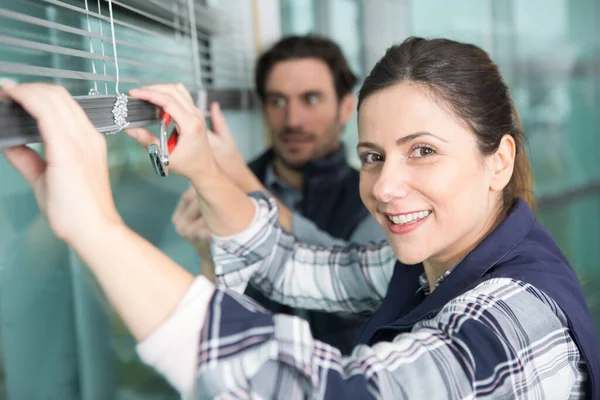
{"x":424,"y":283}
{"x":272,"y":181}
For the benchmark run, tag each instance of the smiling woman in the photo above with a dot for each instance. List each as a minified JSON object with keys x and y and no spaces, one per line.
{"x":471,"y":298}
{"x":427,"y":160}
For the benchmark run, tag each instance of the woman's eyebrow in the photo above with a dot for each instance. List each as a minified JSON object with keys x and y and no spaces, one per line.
{"x":416,"y":135}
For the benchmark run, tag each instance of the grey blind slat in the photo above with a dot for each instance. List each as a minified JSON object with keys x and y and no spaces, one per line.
{"x":81,"y":32}
{"x":28,"y":44}
{"x":16,"y":68}
{"x":107,"y":19}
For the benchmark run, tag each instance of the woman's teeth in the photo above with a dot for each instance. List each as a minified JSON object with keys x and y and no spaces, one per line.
{"x":408,"y":218}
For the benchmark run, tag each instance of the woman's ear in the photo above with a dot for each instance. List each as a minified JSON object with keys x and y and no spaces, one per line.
{"x":502,"y":163}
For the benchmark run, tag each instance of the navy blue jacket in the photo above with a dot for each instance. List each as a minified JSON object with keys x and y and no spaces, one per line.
{"x":519,"y":248}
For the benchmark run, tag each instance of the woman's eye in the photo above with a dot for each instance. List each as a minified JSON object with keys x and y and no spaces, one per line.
{"x":370,"y":158}
{"x":423,"y":151}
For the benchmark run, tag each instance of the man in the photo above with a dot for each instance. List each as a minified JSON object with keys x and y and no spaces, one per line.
{"x":305,"y":85}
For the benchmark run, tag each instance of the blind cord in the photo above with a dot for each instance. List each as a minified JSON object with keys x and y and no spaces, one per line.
{"x":93,"y":91}
{"x":114,"y":43}
{"x":119,"y":110}
{"x":102,"y":44}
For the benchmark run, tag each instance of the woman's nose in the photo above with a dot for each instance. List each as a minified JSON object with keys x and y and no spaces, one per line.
{"x":392,"y":182}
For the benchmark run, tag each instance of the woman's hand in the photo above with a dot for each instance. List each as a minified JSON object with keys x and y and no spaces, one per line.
{"x":192,"y":157}
{"x":71,"y":184}
{"x":223,"y":204}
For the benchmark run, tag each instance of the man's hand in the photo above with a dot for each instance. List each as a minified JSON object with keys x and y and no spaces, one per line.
{"x":71,"y":185}
{"x":191,"y":225}
{"x":231,"y":162}
{"x":226,"y":153}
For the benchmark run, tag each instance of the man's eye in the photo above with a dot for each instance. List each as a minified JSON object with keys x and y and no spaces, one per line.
{"x":312,"y":99}
{"x":277,"y":102}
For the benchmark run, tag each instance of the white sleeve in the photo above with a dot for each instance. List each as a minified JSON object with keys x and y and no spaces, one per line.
{"x":172,"y":349}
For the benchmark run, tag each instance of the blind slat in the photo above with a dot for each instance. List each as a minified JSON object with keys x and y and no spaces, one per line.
{"x":76,"y":31}
{"x":209,"y":19}
{"x":28,"y":44}
{"x":164,"y":21}
{"x":80,"y":10}
{"x":24,"y":69}
{"x":182,"y":27}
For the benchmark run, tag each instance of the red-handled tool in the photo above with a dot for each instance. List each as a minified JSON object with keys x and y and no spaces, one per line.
{"x":174,"y":134}
{"x":160,"y":156}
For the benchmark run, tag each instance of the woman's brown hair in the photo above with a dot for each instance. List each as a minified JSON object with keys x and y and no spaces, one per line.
{"x":462,"y":77}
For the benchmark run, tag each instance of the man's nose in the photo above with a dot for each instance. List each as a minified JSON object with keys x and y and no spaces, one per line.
{"x":295,"y":115}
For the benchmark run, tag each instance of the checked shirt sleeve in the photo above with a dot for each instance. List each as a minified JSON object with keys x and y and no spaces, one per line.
{"x":340,"y":279}
{"x":503,"y":339}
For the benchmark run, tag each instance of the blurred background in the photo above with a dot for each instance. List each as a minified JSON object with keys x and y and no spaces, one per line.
{"x":60,"y":339}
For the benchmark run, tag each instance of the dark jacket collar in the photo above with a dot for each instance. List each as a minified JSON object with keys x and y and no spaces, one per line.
{"x":482,"y":259}
{"x":331,"y":168}
{"x":519,"y":248}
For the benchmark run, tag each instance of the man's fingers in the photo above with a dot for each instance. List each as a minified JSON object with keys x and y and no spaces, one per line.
{"x":218,"y":120}
{"x":143,"y":136}
{"x":189,"y":213}
{"x":187,"y":210}
{"x":197,"y":230}
{"x":25,"y":160}
{"x":185,"y":199}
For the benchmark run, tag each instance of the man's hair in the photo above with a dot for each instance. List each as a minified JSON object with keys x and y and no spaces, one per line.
{"x":309,"y":46}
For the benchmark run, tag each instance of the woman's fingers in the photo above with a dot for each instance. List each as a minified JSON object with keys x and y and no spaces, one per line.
{"x":142,"y":136}
{"x":182,"y":114}
{"x":27,"y":162}
{"x":178,"y":91}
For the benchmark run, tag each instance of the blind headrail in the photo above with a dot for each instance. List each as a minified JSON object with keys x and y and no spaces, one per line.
{"x":18,"y":127}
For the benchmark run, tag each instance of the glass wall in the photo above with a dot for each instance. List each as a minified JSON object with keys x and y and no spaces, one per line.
{"x":59,"y":337}
{"x":549,"y":52}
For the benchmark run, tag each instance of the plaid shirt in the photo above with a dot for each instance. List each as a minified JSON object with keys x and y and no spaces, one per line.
{"x":502,"y":325}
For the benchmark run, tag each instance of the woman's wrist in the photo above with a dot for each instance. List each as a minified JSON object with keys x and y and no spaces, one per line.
{"x":248,"y":181}
{"x":206,"y":180}
{"x":96,"y":233}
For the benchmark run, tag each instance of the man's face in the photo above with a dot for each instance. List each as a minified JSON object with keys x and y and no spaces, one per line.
{"x":302,"y":111}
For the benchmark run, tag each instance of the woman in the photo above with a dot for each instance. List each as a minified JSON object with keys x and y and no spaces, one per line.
{"x":470,"y":298}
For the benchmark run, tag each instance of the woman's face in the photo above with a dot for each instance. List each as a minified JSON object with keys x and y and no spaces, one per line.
{"x":423,"y":177}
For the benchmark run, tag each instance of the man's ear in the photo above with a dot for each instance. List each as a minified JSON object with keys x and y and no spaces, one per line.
{"x":503,"y":163}
{"x":347,"y":106}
